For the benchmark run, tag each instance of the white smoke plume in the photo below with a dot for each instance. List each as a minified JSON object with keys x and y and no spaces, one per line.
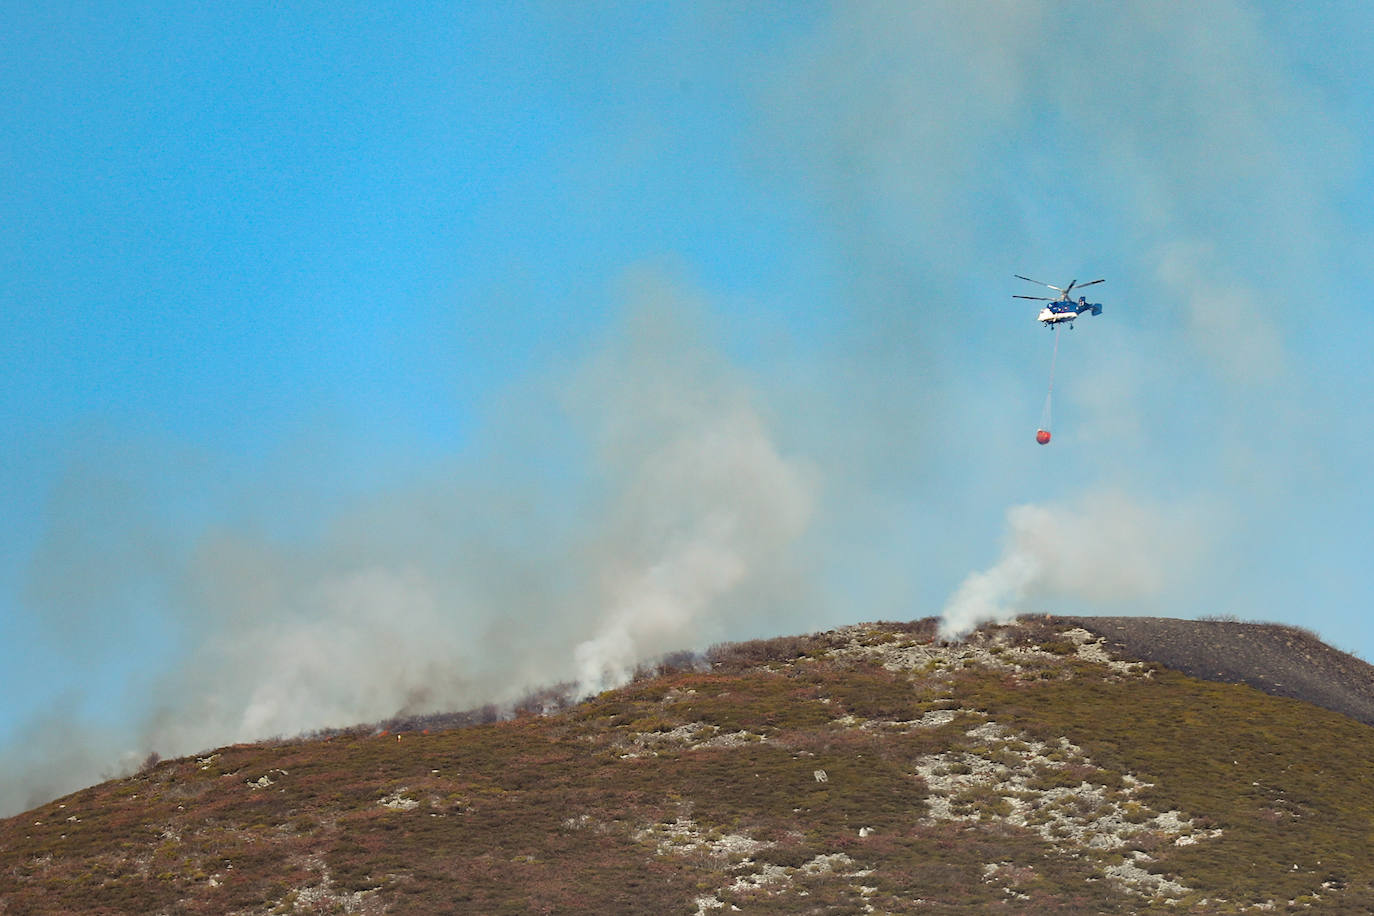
{"x":704,"y":505}
{"x":650,"y":499}
{"x":630,"y":506}
{"x":711,"y":507}
{"x":1105,"y":549}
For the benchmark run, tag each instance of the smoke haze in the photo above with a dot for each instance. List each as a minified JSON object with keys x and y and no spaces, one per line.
{"x":1104,"y":551}
{"x":829,"y":421}
{"x":678,"y":513}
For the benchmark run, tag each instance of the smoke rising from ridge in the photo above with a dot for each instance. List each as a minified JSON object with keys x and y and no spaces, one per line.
{"x":1105,"y":550}
{"x":675,"y":528}
{"x":714,"y":505}
{"x":653,"y":496}
{"x":705,"y":503}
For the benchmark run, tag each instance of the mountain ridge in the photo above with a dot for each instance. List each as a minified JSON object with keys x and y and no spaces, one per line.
{"x":1035,"y":767}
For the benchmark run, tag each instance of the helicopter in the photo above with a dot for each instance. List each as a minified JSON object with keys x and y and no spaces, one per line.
{"x":1063,"y":308}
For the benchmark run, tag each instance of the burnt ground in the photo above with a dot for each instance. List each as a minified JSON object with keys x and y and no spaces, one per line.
{"x":1282,"y":661}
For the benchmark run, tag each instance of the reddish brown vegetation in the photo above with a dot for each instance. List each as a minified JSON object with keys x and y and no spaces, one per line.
{"x":567,"y":813}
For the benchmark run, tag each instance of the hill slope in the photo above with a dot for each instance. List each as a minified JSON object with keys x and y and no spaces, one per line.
{"x":869,"y":769}
{"x":1283,"y":661}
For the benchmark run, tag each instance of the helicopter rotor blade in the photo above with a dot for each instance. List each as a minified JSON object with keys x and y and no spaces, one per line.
{"x":1036,"y":298}
{"x":1092,"y":283}
{"x":1068,"y":289}
{"x":1036,"y":282}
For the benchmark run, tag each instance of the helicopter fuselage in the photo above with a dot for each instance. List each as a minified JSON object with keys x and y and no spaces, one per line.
{"x":1061,"y":311}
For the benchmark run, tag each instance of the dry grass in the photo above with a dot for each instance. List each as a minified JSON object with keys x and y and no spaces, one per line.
{"x":585,"y":810}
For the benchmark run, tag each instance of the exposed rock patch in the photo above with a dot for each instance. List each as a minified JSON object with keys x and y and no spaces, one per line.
{"x":399,"y":801}
{"x":1056,"y":791}
{"x":684,"y":837}
{"x":993,"y":648}
{"x":324,"y":897}
{"x":265,"y":780}
{"x":691,"y":736}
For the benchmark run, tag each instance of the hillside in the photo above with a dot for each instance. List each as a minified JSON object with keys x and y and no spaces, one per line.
{"x":1034,"y":768}
{"x":1283,"y":661}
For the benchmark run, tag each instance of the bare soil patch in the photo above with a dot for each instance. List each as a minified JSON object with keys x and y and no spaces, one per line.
{"x":1279,"y":660}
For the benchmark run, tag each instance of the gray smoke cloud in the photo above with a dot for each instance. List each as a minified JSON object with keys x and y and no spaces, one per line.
{"x":952,"y":144}
{"x":1104,"y":550}
{"x":1229,"y":321}
{"x":651,"y":495}
{"x":705,"y":507}
{"x":633,"y":504}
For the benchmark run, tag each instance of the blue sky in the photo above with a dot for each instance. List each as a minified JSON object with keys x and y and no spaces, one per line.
{"x":358,"y":358}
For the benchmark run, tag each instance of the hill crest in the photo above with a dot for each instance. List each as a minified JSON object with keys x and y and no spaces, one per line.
{"x":866,"y":769}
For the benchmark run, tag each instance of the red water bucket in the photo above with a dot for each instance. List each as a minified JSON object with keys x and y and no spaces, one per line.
{"x":1042,"y":436}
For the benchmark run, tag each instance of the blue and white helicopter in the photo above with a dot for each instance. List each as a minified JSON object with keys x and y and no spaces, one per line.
{"x":1064,"y":308}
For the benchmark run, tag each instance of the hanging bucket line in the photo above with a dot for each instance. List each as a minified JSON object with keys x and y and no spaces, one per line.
{"x":1046,"y":416}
